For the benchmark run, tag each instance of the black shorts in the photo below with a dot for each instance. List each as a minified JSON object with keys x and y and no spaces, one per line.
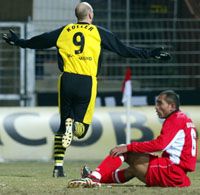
{"x":77,"y":96}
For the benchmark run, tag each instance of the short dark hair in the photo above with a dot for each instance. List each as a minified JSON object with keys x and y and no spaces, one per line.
{"x":171,"y":97}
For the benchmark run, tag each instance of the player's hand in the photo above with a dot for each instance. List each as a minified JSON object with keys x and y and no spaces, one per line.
{"x":160,"y":54}
{"x":118,"y":150}
{"x":10,"y":38}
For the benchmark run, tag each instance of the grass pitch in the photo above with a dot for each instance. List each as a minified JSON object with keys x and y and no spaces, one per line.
{"x":36,"y":178}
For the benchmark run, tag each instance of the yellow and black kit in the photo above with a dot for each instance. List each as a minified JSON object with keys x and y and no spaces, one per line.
{"x":80,"y":47}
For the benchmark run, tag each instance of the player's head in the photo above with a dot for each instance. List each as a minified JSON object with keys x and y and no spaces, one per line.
{"x":84,"y":12}
{"x":166,"y":103}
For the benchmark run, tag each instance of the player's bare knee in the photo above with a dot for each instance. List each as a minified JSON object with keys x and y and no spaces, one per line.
{"x":132,"y":158}
{"x":129,"y":158}
{"x":136,"y":159}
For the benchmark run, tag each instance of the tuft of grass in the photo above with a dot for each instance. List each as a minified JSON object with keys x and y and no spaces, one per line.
{"x":25,"y":178}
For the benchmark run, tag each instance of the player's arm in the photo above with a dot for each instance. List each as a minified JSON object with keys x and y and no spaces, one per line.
{"x":43,"y":41}
{"x":140,"y":147}
{"x":112,"y":43}
{"x":163,"y":141}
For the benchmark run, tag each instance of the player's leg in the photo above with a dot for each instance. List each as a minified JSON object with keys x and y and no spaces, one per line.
{"x":108,"y":172}
{"x":138,"y":165}
{"x":117,"y":176}
{"x":60,"y":144}
{"x":59,"y":153}
{"x":151,"y":170}
{"x":103,"y":171}
{"x":59,"y":150}
{"x":84,"y":104}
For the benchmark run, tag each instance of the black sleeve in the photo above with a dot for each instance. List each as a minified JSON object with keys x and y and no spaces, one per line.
{"x":110,"y":42}
{"x":43,"y":41}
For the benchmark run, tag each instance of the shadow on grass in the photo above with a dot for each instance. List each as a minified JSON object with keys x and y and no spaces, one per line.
{"x":122,"y":185}
{"x":16,"y":175}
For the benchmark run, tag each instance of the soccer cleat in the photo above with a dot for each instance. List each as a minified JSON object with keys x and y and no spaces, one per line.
{"x":85,"y":171}
{"x":84,"y":183}
{"x":58,"y":172}
{"x":68,"y":135}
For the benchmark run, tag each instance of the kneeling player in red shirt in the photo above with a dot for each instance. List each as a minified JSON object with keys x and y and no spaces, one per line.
{"x":177,"y":140}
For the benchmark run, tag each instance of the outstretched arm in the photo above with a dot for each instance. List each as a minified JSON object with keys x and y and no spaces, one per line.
{"x":43,"y":41}
{"x":112,"y":43}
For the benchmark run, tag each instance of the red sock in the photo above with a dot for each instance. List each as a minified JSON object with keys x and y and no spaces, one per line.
{"x":116,"y":176}
{"x":107,"y":166}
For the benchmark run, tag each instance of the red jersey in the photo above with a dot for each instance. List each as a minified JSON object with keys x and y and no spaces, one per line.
{"x":177,"y":140}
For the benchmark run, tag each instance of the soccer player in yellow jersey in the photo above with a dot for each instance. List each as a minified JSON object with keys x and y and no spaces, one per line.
{"x":79,"y":48}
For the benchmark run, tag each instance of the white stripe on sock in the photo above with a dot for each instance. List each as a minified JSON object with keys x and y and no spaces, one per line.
{"x":116,"y":176}
{"x":122,"y":158}
{"x":96,"y":174}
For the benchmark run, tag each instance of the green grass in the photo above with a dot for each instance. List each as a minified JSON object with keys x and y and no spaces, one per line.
{"x":36,"y":178}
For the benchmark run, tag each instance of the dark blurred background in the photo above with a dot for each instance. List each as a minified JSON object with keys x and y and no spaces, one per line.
{"x":29,"y":78}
